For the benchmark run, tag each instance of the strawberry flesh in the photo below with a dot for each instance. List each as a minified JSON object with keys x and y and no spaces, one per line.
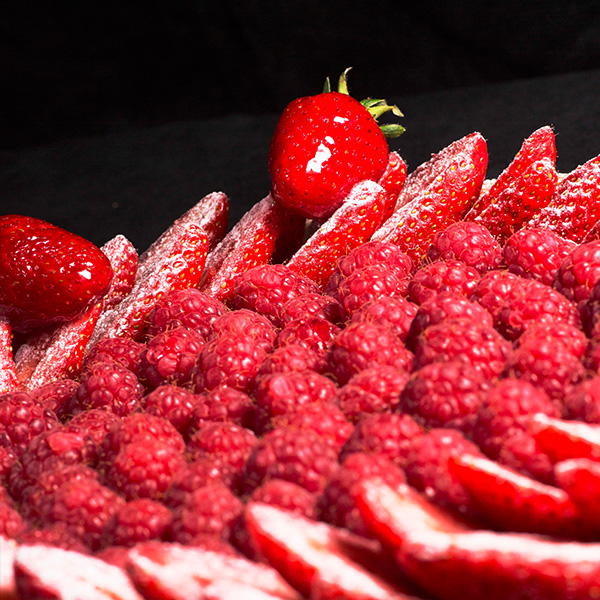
{"x":9,"y":380}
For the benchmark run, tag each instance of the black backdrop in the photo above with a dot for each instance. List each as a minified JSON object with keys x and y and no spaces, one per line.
{"x":117,"y":116}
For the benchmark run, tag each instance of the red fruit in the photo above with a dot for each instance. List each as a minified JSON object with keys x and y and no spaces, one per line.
{"x":246,"y":322}
{"x":293,"y":357}
{"x":363,"y":345}
{"x":316,"y":556}
{"x":579,"y":272}
{"x":515,"y":502}
{"x":48,"y":274}
{"x":436,"y":195}
{"x":55,"y":395}
{"x":557,"y":332}
{"x":12,"y":524}
{"x":322,"y":146}
{"x":253,"y":241}
{"x":392,"y":181}
{"x":454,"y":563}
{"x":121,"y":350}
{"x":123,"y":259}
{"x":7,"y":575}
{"x":95,"y":422}
{"x":574,"y":207}
{"x":536,"y":253}
{"x":350,"y":226}
{"x":56,"y":535}
{"x":45,"y":572}
{"x":315,"y":333}
{"x":174,"y":403}
{"x":176,"y":572}
{"x":521,"y":190}
{"x":442,"y":276}
{"x":582,"y":403}
{"x":9,"y":380}
{"x":394,"y":312}
{"x":470,"y":242}
{"x":178,"y":265}
{"x":286,"y":495}
{"x":590,"y":313}
{"x":310,"y":304}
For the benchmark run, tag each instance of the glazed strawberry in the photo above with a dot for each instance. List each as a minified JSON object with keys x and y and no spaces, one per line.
{"x":436,"y":195}
{"x":572,"y":211}
{"x":7,"y":574}
{"x":48,"y":274}
{"x":9,"y":380}
{"x":322,"y":146}
{"x":580,"y":478}
{"x":524,"y":187}
{"x":123,"y":259}
{"x":350,"y":226}
{"x":254,"y":240}
{"x":392,"y":180}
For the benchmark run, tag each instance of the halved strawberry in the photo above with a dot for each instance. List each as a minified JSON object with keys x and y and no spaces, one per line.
{"x":8,"y":548}
{"x":168,"y":571}
{"x":471,"y":565}
{"x":43,"y":571}
{"x":521,"y":189}
{"x":9,"y":381}
{"x":253,"y":241}
{"x":436,"y":194}
{"x":515,"y":502}
{"x":350,"y":226}
{"x":392,"y":181}
{"x":177,"y":265}
{"x":314,"y":555}
{"x":574,"y":209}
{"x":123,"y":258}
{"x":580,"y":478}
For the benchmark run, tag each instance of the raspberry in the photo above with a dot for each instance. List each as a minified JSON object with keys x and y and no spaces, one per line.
{"x":427,"y":468}
{"x":548,"y":365}
{"x":311,"y":305}
{"x":315,"y":333}
{"x":107,"y":385}
{"x":226,"y":442}
{"x":121,"y":350}
{"x":582,"y":402}
{"x":174,"y":403}
{"x":590,"y":313}
{"x":443,"y":394}
{"x":286,"y":495}
{"x":223,"y":403}
{"x":592,"y":357}
{"x":245,"y":322}
{"x":84,"y":506}
{"x":467,"y":241}
{"x":284,"y":393}
{"x":21,"y":419}
{"x":384,"y":434}
{"x":568,"y":335}
{"x":296,"y":455}
{"x":211,"y":509}
{"x":8,"y":458}
{"x":536,"y":253}
{"x":232,"y":359}
{"x":12,"y":524}
{"x":196,"y":474}
{"x":370,"y":253}
{"x":324,"y":418}
{"x":137,"y":521}
{"x":55,"y":395}
{"x":375,"y":389}
{"x":501,"y":428}
{"x":144,"y":468}
{"x":188,"y":308}
{"x":95,"y":422}
{"x":169,"y":357}
{"x":292,"y":357}
{"x":336,"y":504}
{"x":442,"y":276}
{"x":363,"y":345}
{"x":463,"y":340}
{"x":364,"y":285}
{"x":579,"y":272}
{"x":443,"y":306}
{"x":56,"y":535}
{"x":393,"y":312}
{"x":266,"y":288}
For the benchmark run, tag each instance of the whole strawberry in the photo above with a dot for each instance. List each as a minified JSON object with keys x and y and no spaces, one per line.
{"x":323,"y":145}
{"x":47,"y":274}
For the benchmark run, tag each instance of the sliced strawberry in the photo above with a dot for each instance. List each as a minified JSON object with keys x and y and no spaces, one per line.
{"x":168,"y":571}
{"x":515,"y":502}
{"x":178,"y":265}
{"x":123,"y":258}
{"x":350,"y":226}
{"x":436,"y":194}
{"x":580,"y":478}
{"x":471,"y":565}
{"x":521,"y":189}
{"x":56,"y":353}
{"x":48,"y":572}
{"x":9,"y":381}
{"x":574,"y":209}
{"x":561,"y":439}
{"x":253,"y":241}
{"x":8,"y":548}
{"x":392,"y":181}
{"x":314,"y":555}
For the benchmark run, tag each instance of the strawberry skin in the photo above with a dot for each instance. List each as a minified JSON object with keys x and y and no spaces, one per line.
{"x":321,"y":147}
{"x":47,"y":274}
{"x":9,"y":382}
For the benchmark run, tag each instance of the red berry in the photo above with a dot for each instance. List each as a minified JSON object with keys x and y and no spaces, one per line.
{"x":579,"y":272}
{"x":245,"y":322}
{"x":310,"y":304}
{"x":393,"y":312}
{"x":314,"y":332}
{"x":55,"y":395}
{"x":286,"y":495}
{"x":121,"y":350}
{"x":582,"y":402}
{"x":292,"y":357}
{"x":174,"y":403}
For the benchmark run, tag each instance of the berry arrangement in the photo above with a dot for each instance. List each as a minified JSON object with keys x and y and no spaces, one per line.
{"x":375,"y":385}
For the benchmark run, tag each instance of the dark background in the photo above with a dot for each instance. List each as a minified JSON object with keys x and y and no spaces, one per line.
{"x":117,"y":116}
